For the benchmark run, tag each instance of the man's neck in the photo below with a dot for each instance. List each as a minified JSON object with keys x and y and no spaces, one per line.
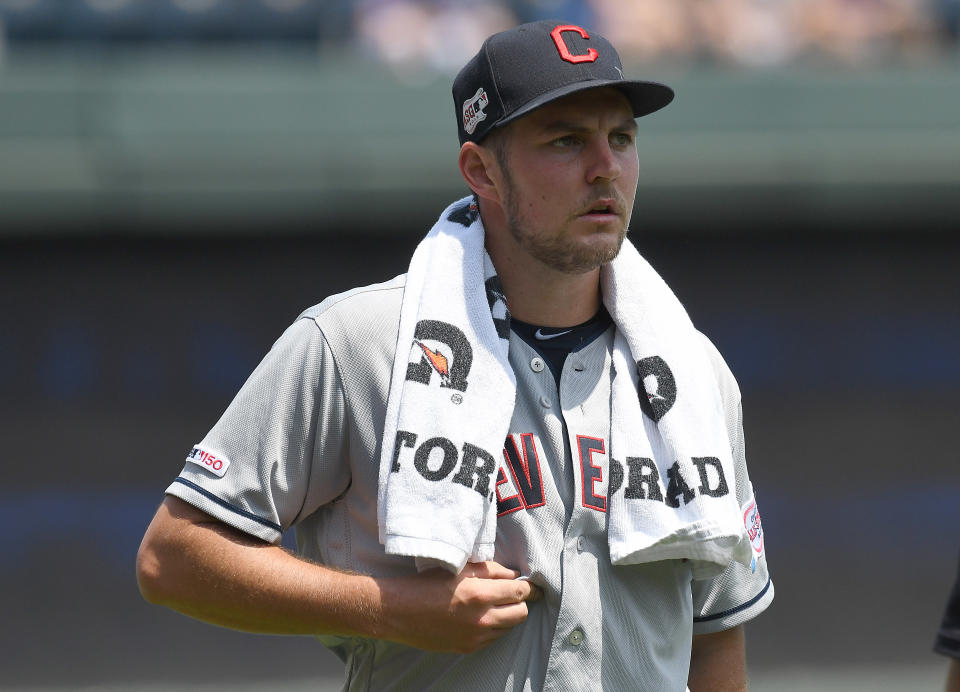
{"x":561,"y":302}
{"x":537,"y":293}
{"x":543,"y":296}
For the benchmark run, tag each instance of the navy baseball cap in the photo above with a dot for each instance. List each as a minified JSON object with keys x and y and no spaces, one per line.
{"x":533,"y":64}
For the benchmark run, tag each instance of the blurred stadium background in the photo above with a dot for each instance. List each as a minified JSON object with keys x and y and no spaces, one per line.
{"x":179,"y":178}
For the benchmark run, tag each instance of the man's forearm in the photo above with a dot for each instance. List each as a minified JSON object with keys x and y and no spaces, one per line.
{"x":212,"y":572}
{"x":203,"y":568}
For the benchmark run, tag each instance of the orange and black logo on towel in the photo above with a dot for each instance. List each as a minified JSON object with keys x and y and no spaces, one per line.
{"x":445,"y":351}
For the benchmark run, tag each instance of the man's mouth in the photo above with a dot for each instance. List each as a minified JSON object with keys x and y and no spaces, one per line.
{"x":602,"y":208}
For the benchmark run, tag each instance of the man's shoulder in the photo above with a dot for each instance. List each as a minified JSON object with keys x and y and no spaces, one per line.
{"x":363,"y":303}
{"x":361,"y":319}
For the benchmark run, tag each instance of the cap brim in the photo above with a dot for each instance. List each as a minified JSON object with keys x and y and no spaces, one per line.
{"x":644,"y":97}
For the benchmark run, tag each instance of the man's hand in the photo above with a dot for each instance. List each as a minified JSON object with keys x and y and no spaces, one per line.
{"x":461,"y":613}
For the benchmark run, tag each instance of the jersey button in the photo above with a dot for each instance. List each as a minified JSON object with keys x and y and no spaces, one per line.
{"x":576,"y":637}
{"x":580,"y":544}
{"x":537,"y":365}
{"x":545,"y":402}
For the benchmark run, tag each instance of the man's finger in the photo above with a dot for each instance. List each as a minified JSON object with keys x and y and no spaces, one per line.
{"x":536,"y":593}
{"x":491,"y":570}
{"x":513,"y":591}
{"x":507,"y":616}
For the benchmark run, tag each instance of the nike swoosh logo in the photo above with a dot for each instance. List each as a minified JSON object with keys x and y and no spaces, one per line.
{"x":543,"y":337}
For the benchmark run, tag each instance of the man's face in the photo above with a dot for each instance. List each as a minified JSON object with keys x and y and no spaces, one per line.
{"x":570,"y":175}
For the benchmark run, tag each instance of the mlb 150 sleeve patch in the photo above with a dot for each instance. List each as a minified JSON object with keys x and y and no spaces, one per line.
{"x":213,"y":462}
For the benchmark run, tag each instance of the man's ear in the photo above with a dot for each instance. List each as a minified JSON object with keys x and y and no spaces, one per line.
{"x":479,"y":167}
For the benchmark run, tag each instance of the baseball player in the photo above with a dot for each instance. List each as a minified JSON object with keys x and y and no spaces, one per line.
{"x":515,"y":467}
{"x":948,"y":637}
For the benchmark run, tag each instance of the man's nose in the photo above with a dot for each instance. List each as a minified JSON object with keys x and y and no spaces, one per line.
{"x":603,"y":161}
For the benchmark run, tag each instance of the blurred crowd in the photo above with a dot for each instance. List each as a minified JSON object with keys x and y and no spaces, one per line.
{"x":752,"y":33}
{"x":442,"y":34}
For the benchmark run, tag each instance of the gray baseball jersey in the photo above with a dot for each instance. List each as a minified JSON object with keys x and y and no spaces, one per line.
{"x":299,"y":447}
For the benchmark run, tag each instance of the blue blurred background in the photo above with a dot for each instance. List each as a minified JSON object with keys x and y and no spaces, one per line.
{"x":180,"y":178}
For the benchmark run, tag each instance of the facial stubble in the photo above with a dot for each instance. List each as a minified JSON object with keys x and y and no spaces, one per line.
{"x":553,"y":249}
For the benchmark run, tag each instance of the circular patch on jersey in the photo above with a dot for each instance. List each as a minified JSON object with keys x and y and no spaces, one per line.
{"x":660,"y":387}
{"x":751,"y":522}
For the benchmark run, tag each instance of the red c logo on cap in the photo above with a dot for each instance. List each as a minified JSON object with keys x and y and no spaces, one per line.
{"x":565,"y":53}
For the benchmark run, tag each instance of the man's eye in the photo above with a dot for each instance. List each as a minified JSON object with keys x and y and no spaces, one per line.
{"x":565,"y":141}
{"x":622,"y":139}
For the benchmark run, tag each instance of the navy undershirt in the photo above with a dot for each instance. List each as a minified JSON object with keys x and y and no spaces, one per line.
{"x":555,"y":343}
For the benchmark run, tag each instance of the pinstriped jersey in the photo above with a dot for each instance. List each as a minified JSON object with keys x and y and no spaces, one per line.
{"x":299,"y":447}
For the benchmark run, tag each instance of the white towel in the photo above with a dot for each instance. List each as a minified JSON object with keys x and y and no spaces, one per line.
{"x":452,"y":394}
{"x":698,"y":517}
{"x":451,"y":384}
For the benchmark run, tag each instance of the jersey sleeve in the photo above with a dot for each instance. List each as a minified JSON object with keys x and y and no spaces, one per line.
{"x":948,"y":637}
{"x":278,"y":443}
{"x":740,"y":592}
